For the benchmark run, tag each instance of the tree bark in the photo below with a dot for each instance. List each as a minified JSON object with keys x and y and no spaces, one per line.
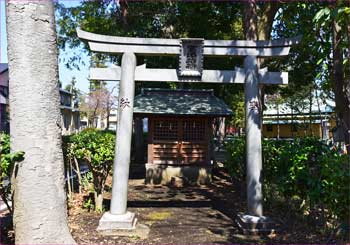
{"x":347,"y":87}
{"x":266,"y":19}
{"x":250,"y":20}
{"x":40,"y":214}
{"x":342,"y":101}
{"x":77,"y":167}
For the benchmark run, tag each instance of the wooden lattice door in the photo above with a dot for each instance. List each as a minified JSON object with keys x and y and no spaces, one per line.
{"x":178,"y":141}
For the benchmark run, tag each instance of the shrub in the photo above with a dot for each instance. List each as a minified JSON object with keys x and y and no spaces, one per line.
{"x":305,"y":169}
{"x":7,"y":162}
{"x":96,"y":148}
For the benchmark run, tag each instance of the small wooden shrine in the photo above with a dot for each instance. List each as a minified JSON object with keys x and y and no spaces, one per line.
{"x":179,"y":133}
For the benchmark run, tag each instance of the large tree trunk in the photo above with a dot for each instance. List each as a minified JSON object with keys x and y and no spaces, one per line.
{"x":257,"y":25}
{"x":339,"y":84}
{"x":250,"y":20}
{"x":40,"y":215}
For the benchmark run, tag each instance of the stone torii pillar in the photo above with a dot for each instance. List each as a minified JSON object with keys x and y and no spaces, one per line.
{"x":253,"y":222}
{"x":253,"y":137}
{"x":118,"y":217}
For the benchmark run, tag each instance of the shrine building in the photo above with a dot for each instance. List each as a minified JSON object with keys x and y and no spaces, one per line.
{"x":179,"y":133}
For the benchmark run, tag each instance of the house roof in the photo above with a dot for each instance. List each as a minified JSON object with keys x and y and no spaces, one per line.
{"x":180,"y":102}
{"x":3,"y":67}
{"x":65,"y":91}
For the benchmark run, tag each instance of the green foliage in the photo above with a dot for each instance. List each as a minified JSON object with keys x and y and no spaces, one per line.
{"x":87,"y":182}
{"x":151,"y":19}
{"x":96,"y":148}
{"x":236,"y":163}
{"x":7,"y":162}
{"x":89,"y":204}
{"x":305,"y":169}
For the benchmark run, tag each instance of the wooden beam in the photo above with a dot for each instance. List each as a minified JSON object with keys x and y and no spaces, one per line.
{"x":171,"y":75}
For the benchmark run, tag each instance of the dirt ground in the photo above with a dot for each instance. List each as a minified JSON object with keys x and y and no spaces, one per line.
{"x":188,"y":215}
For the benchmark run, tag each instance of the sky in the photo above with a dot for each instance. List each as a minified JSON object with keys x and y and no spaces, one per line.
{"x":65,"y":74}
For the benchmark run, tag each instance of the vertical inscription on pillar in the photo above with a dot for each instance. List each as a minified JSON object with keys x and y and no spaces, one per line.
{"x":124,"y":102}
{"x":191,"y":58}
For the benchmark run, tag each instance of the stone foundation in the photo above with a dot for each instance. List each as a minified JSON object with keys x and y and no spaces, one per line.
{"x":112,"y":222}
{"x":254,"y":225}
{"x":177,"y":175}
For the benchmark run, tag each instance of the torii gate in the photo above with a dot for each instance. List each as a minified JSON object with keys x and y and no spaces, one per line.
{"x":190,"y":52}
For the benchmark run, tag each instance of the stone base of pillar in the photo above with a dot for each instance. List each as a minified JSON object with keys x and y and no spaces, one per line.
{"x":255,"y":225}
{"x":110,"y":221}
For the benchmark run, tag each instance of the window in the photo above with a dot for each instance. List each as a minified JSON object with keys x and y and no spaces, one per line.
{"x":166,"y":130}
{"x":193,"y":130}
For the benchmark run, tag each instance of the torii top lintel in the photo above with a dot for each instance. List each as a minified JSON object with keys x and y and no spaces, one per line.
{"x":159,"y":46}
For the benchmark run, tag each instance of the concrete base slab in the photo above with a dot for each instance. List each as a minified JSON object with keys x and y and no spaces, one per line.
{"x":254,"y":225}
{"x":141,"y":231}
{"x":110,"y":221}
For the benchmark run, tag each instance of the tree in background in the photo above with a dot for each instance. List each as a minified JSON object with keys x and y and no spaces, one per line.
{"x":40,"y":213}
{"x":333,"y":32}
{"x":97,"y":105}
{"x":77,"y":94}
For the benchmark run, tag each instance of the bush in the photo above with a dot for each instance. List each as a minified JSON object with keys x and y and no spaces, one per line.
{"x":7,"y":162}
{"x":305,"y":169}
{"x":96,"y":148}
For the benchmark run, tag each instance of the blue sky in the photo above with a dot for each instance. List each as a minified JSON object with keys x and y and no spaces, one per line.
{"x":65,"y":74}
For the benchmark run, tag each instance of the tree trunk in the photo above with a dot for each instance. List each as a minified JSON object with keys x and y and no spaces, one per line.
{"x":347,"y":87}
{"x":107,"y":118}
{"x":341,"y":101}
{"x":250,"y":25}
{"x":98,"y":201}
{"x":77,"y":167}
{"x":264,"y":27}
{"x":40,"y":213}
{"x":278,"y":121}
{"x":69,"y":186}
{"x":99,"y":185}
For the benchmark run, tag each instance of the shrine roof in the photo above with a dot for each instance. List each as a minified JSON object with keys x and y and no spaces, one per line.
{"x":180,"y":102}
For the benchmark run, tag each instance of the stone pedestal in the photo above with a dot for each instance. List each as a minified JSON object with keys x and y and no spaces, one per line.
{"x":177,"y":175}
{"x":110,"y":221}
{"x":255,"y":225}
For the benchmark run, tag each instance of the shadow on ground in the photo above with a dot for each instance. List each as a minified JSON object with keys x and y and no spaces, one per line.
{"x":191,"y":214}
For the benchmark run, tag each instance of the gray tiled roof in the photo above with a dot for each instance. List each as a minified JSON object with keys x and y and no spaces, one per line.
{"x":180,"y":102}
{"x":3,"y":67}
